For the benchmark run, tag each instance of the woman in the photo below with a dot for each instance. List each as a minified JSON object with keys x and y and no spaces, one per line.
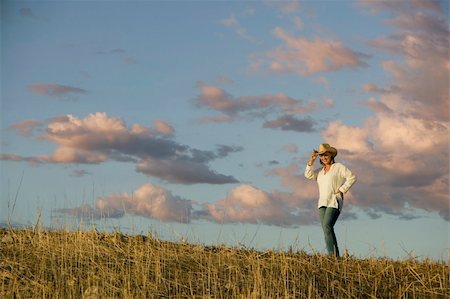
{"x":334,"y":180}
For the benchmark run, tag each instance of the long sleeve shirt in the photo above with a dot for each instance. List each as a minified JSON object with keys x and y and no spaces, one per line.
{"x":338,"y":178}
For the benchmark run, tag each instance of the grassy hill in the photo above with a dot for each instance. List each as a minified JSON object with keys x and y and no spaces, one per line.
{"x":63,"y":264}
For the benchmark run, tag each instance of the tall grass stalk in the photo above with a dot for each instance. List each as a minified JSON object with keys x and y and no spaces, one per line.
{"x":89,"y":264}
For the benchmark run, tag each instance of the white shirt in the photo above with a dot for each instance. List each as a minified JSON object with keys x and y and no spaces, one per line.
{"x":338,"y":178}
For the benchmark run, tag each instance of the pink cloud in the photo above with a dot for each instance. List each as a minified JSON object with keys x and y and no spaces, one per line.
{"x":86,"y":211}
{"x":292,"y":178}
{"x":72,"y":155}
{"x":328,"y":102}
{"x":249,"y":204}
{"x":377,"y":6}
{"x":400,"y":161}
{"x":421,"y":36}
{"x":148,"y":201}
{"x":401,"y":153}
{"x":371,"y":87}
{"x":26,"y":127}
{"x":305,"y":56}
{"x":163,"y":127}
{"x":218,"y":119}
{"x":98,"y":138}
{"x":216,"y":98}
{"x":59,"y":91}
{"x":247,"y":107}
{"x":17,"y":158}
{"x":377,"y":106}
{"x":298,"y":23}
{"x":232,"y":22}
{"x":339,"y":133}
{"x":245,"y":203}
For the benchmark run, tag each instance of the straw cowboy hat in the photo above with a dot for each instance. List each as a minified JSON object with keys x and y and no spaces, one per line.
{"x":325,"y":147}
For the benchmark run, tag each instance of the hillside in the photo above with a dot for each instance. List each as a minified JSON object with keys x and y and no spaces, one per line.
{"x":63,"y":264}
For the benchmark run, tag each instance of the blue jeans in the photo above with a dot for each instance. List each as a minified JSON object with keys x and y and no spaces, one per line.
{"x":328,"y":217}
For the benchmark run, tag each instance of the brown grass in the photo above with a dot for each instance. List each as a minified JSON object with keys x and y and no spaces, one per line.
{"x":63,"y":264}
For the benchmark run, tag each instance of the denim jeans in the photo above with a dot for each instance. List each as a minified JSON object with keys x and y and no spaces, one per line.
{"x":328,"y":217}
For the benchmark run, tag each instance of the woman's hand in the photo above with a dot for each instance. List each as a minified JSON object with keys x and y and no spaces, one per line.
{"x":313,"y":158}
{"x":339,"y":193}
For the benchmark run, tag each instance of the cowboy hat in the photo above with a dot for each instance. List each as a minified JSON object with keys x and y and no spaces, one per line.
{"x":325,"y":147}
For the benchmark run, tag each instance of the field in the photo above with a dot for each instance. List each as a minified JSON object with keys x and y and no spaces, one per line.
{"x":90,"y":264}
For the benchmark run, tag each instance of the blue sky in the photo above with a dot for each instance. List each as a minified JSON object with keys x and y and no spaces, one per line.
{"x":195,"y":119}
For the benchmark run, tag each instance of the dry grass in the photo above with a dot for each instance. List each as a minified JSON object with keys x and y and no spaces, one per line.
{"x":63,"y":264}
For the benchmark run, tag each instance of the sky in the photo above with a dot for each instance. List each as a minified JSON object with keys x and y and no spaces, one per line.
{"x":194,"y":120}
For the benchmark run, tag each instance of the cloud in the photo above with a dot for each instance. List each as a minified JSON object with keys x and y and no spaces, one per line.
{"x":249,"y":204}
{"x":290,"y":123}
{"x":247,"y":107}
{"x":183,"y":172}
{"x":245,"y":204}
{"x":371,"y":87}
{"x":61,"y":92}
{"x":98,"y":138}
{"x":302,"y":194}
{"x":148,"y":201}
{"x":397,"y":172}
{"x":190,"y":170}
{"x":401,"y":153}
{"x":357,"y":144}
{"x":26,"y":127}
{"x":420,"y":36}
{"x":298,"y":23}
{"x":304,"y":56}
{"x":85,"y":211}
{"x":69,"y":155}
{"x":17,"y":158}
{"x":292,"y":178}
{"x":163,"y":127}
{"x":400,"y":7}
{"x":400,"y":161}
{"x":232,"y":22}
{"x":218,"y":119}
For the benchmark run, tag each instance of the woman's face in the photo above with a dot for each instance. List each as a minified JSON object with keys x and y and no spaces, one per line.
{"x":325,"y":158}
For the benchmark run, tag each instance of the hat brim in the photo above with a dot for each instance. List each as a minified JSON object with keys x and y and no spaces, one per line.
{"x":332,"y":152}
